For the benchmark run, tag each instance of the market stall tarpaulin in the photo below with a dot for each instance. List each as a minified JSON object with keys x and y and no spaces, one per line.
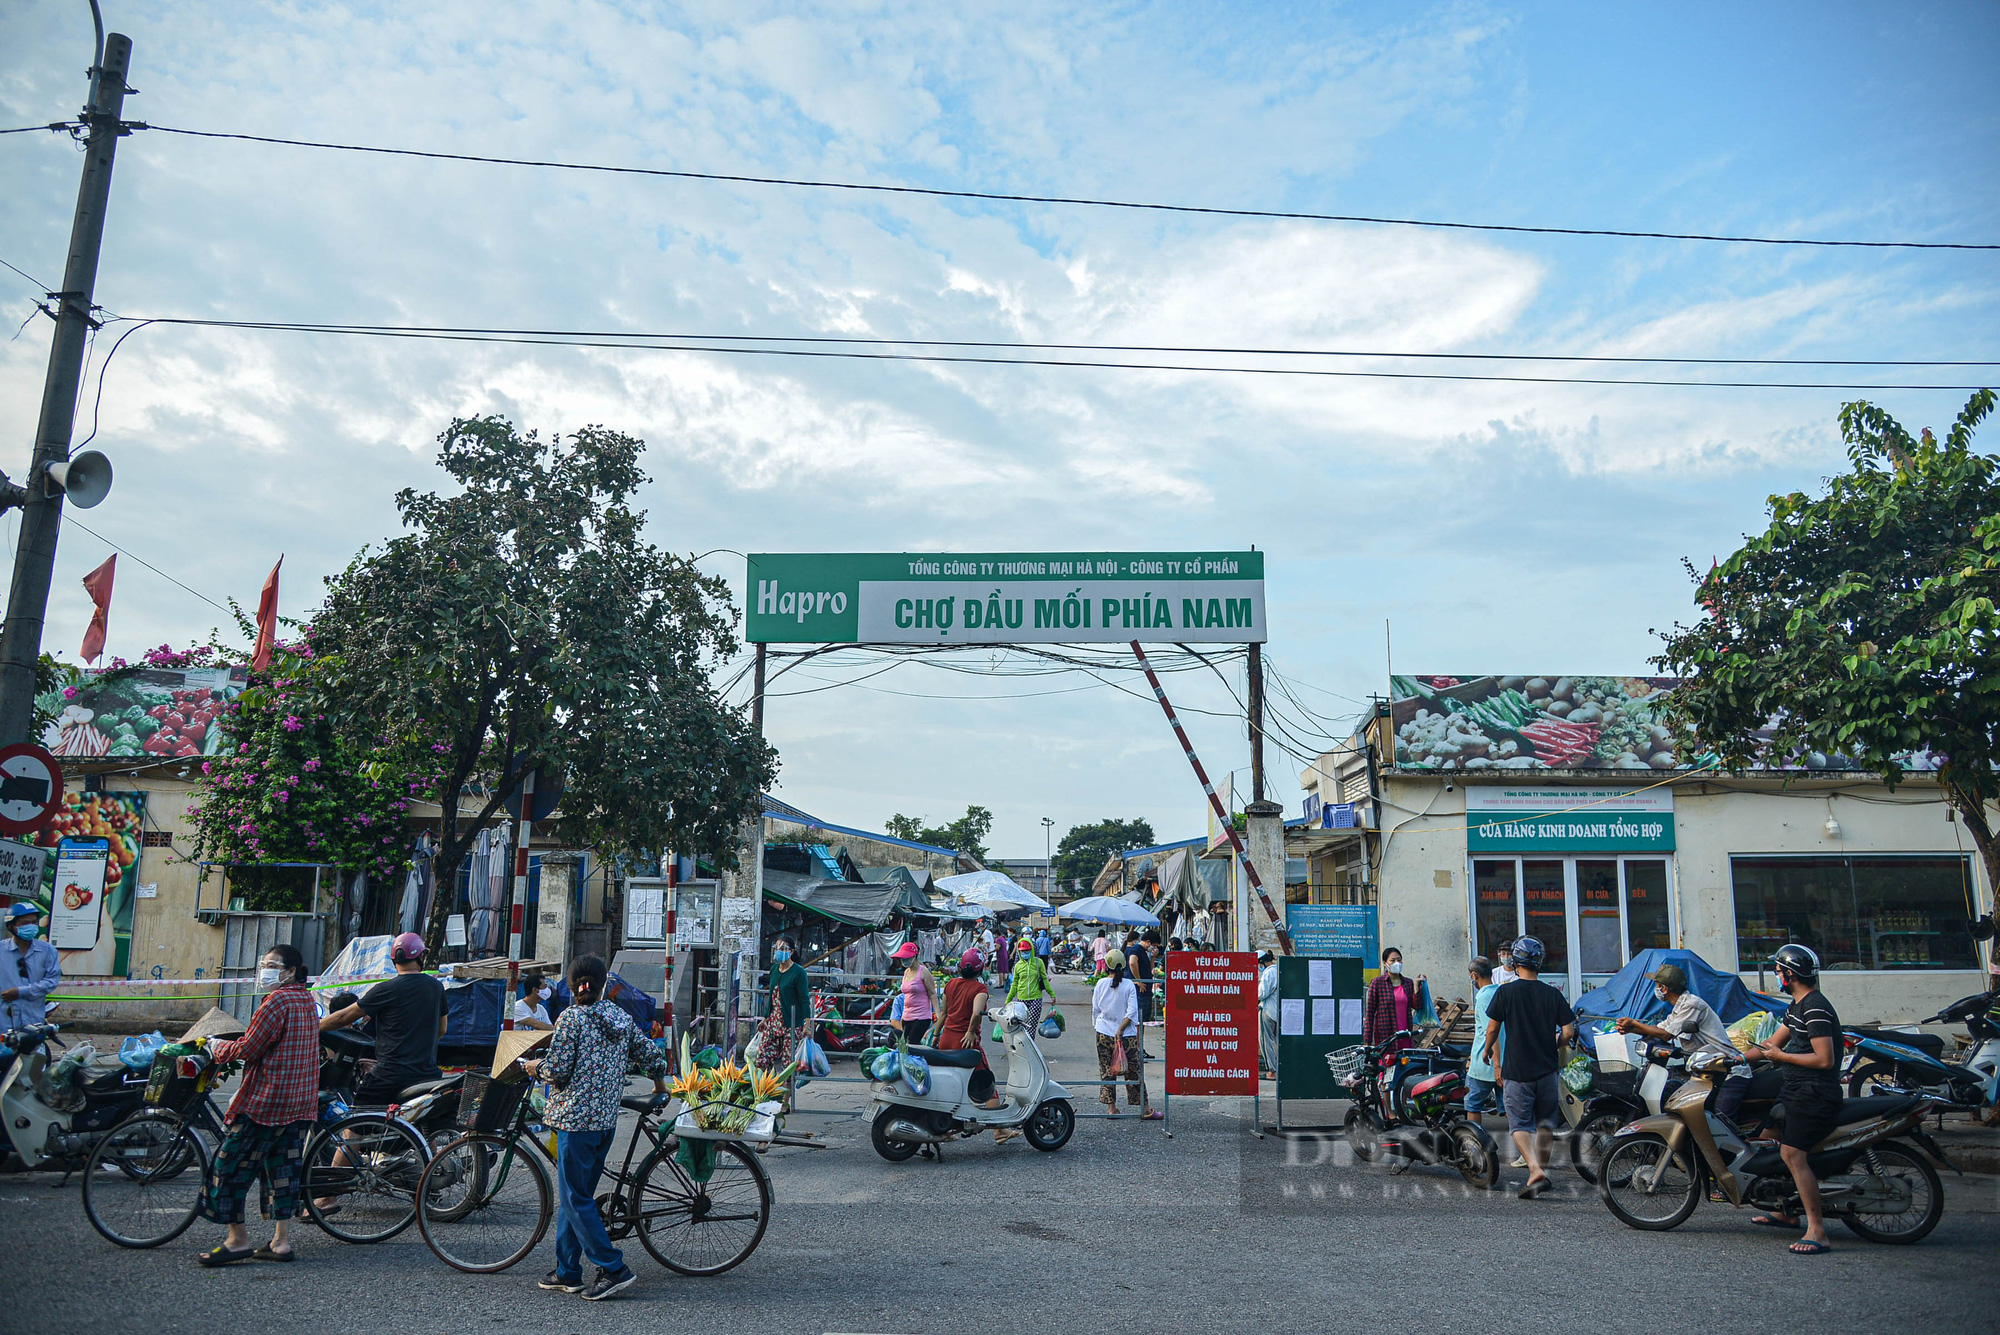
{"x":1013,"y":597}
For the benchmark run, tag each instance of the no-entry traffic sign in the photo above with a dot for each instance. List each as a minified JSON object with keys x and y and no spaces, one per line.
{"x":1212,"y":1022}
{"x":31,"y":787}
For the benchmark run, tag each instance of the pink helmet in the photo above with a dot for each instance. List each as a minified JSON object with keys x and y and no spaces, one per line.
{"x":408,"y":946}
{"x":906,"y":951}
{"x":971,"y":959}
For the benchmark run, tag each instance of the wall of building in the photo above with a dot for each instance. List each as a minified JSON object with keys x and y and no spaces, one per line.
{"x":1425,"y":908}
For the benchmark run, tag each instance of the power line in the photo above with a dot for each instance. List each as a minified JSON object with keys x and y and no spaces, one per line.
{"x":872,"y":340}
{"x":73,"y":520}
{"x":1081,"y":363}
{"x":30,"y":277}
{"x":1000,"y":197}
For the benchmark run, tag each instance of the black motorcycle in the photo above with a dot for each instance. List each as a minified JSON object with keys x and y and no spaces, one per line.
{"x":1409,"y":1105}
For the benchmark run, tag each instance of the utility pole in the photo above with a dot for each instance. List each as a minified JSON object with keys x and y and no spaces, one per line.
{"x":41,"y":512}
{"x":1256,"y":721}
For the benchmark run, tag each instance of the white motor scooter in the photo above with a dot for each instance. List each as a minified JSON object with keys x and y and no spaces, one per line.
{"x":902,"y":1121}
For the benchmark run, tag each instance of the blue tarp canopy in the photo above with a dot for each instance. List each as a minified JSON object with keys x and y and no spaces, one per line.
{"x":1630,"y":993}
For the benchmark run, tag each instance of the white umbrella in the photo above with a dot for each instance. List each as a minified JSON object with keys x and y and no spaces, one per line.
{"x":1103,"y":908}
{"x":990,"y":888}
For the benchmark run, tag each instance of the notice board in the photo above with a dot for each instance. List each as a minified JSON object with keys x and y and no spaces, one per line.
{"x":1333,"y":931}
{"x":1212,"y":1022}
{"x":1319,"y":1012}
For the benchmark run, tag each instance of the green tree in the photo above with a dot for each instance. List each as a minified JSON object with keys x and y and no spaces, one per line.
{"x":1086,"y":848}
{"x":1862,"y":624}
{"x":524,"y":621}
{"x":966,"y":835}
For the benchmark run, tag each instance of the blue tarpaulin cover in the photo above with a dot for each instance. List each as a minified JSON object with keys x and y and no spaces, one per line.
{"x":1630,"y":993}
{"x":472,"y":1012}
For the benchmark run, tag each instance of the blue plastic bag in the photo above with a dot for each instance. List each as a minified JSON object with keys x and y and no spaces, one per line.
{"x":812,"y":1060}
{"x":917,"y":1075}
{"x":138,"y":1051}
{"x":886,"y":1065}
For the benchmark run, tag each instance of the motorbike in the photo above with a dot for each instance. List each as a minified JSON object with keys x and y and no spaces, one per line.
{"x":1891,"y":1061}
{"x":903,"y":1120}
{"x":1409,"y":1104}
{"x":1627,"y":1090}
{"x":48,"y":1127}
{"x":1882,"y":1188}
{"x":1070,"y":957}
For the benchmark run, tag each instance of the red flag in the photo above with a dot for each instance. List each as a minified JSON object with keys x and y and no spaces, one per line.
{"x":98,"y":585}
{"x":267,"y":619}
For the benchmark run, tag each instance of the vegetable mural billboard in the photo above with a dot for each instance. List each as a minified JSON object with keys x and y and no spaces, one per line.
{"x":1531,"y":722}
{"x":1552,"y":722}
{"x":165,"y":712}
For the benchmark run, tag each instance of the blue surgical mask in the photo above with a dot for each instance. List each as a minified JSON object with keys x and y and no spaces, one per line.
{"x":28,"y":931}
{"x":780,"y":956}
{"x":1660,"y":992}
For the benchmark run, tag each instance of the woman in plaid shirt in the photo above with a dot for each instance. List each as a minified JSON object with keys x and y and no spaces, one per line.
{"x":273,"y":1109}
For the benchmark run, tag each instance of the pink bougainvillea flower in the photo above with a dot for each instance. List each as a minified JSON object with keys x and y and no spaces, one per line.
{"x":69,"y":692}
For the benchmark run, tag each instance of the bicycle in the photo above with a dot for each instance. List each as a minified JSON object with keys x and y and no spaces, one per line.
{"x":486,"y":1198}
{"x":137,"y":1189}
{"x":144,"y":1181}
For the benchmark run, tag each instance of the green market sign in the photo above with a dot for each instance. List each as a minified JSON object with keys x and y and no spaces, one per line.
{"x":1012,"y":598}
{"x":1569,"y":820}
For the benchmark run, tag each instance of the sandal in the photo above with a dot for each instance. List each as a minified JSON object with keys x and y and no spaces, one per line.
{"x":265,"y":1253}
{"x":222,"y":1255}
{"x":1772,"y":1221}
{"x":1807,"y":1247}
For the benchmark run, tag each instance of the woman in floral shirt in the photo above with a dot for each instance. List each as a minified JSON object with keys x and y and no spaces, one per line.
{"x":594,"y":1046}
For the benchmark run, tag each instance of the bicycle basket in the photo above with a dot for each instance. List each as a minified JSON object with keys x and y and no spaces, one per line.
{"x":486,"y":1104}
{"x":1348,"y":1063}
{"x":167,"y":1088}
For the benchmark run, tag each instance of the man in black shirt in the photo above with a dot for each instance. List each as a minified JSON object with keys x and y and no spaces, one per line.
{"x":1807,"y":1046}
{"x":1537,"y":1018}
{"x":407,"y":1017}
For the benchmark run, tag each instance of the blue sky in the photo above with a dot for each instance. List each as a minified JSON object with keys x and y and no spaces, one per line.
{"x":1499,"y":527}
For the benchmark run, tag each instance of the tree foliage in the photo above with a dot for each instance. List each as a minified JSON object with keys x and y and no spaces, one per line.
{"x":289,"y":787}
{"x":966,"y":835}
{"x":1085,"y":849}
{"x":1862,"y":623}
{"x":524,"y":621}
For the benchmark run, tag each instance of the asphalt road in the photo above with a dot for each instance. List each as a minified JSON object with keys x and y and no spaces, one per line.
{"x":1212,"y":1231}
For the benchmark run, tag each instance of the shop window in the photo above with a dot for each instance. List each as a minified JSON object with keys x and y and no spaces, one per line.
{"x":1646,"y":912}
{"x":1499,"y":911}
{"x":1598,"y":945}
{"x":1544,"y":898}
{"x":1856,"y":913}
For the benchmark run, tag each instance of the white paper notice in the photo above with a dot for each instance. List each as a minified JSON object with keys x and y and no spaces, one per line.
{"x":1350,"y":1016}
{"x":1319,"y":977}
{"x":1291,"y":1016}
{"x":1323,"y":1013}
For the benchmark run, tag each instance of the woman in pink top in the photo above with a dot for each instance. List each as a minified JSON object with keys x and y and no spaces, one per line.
{"x":919,"y":995}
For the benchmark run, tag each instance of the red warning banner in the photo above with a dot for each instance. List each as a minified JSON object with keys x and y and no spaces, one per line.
{"x":1211,"y":1022}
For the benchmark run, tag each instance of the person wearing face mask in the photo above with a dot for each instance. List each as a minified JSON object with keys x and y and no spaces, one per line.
{"x":532,"y":1010}
{"x":1503,"y":972}
{"x":1114,"y":1012}
{"x":29,"y":969}
{"x":1392,"y":1000}
{"x":790,"y":1012}
{"x":276,"y":1101}
{"x":1693,"y":1026}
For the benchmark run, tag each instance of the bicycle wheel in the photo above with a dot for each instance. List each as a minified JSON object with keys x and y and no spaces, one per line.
{"x":1646,"y":1185}
{"x":484,"y":1203}
{"x":144,"y":1180}
{"x":361,"y":1173}
{"x":703,"y":1228}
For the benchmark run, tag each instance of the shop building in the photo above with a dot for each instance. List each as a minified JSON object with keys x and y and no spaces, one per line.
{"x":1602,"y":860}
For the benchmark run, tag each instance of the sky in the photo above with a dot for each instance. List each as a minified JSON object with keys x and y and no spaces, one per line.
{"x":1460,"y":527}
